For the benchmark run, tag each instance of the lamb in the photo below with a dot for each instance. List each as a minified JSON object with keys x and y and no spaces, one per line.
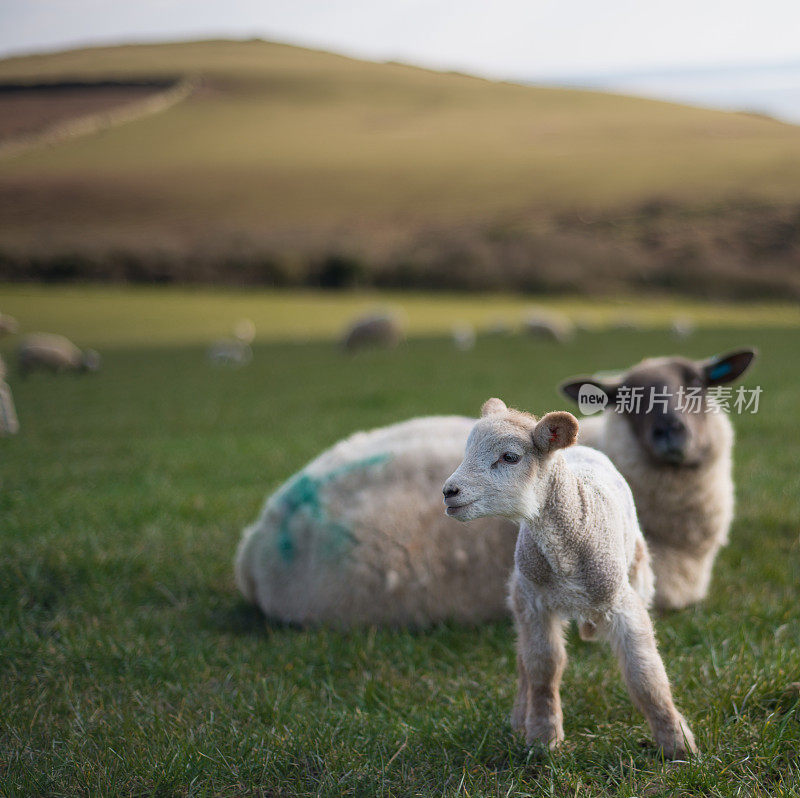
{"x":580,"y":554}
{"x":54,"y":353}
{"x":677,"y":458}
{"x":357,"y":537}
{"x":377,"y":330}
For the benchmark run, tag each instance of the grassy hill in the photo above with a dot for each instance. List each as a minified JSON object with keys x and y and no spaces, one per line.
{"x":286,"y":165}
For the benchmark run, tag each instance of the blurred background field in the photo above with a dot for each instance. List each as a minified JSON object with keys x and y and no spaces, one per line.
{"x":285,"y":166}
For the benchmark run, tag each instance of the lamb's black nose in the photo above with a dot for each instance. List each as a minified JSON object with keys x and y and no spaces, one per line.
{"x":450,"y":492}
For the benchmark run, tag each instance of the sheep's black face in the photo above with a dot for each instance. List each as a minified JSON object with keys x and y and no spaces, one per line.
{"x":666,"y":405}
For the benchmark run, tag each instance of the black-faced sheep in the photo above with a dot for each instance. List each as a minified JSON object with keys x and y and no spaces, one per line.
{"x":677,"y":457}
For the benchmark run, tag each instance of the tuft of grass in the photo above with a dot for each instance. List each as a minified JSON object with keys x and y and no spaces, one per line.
{"x":129,"y":665}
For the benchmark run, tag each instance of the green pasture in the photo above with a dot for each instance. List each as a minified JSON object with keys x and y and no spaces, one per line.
{"x":129,"y":665}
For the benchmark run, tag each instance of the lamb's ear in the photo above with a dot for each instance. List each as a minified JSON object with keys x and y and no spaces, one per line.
{"x":555,"y":431}
{"x":726,"y":368}
{"x":572,"y":388}
{"x":491,"y":406}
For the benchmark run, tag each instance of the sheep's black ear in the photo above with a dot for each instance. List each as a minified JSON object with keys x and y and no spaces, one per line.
{"x":726,"y":368}
{"x":572,"y":388}
{"x":555,"y":431}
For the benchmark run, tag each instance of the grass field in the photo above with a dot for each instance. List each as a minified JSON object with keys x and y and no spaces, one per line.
{"x":129,"y":665}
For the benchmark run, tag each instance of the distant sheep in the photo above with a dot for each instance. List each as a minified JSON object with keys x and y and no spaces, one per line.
{"x":230,"y":352}
{"x":375,"y":330}
{"x":9,"y":424}
{"x":55,"y":353}
{"x":234,"y":351}
{"x":8,"y":325}
{"x":548,"y":326}
{"x":464,"y":337}
{"x":677,"y":459}
{"x":682,"y":328}
{"x":580,"y":555}
{"x":358,"y":537}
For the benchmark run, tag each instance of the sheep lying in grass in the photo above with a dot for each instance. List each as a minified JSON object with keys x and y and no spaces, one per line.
{"x":374,"y":330}
{"x":580,"y":554}
{"x":677,"y":458}
{"x":358,"y":537}
{"x":54,"y":353}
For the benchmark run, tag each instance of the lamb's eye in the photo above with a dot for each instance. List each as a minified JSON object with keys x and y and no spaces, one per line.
{"x":510,"y":457}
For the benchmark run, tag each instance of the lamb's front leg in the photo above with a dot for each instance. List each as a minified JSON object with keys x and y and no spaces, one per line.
{"x":541,"y":661}
{"x":631,"y":634}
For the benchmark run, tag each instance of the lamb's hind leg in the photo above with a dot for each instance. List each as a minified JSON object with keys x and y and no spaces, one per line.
{"x":541,"y":660}
{"x":520,"y":711}
{"x":631,"y":634}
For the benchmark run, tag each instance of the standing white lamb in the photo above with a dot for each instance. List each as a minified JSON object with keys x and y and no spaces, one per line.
{"x":580,"y":555}
{"x":676,"y":452}
{"x":358,"y":537}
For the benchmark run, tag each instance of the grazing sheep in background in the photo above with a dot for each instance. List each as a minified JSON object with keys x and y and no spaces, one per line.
{"x":234,"y":351}
{"x":358,"y":537}
{"x":682,"y":328}
{"x":580,"y":554}
{"x":230,"y":352}
{"x":9,"y":424}
{"x":548,"y":326}
{"x":374,"y":330}
{"x":8,"y":325}
{"x":677,"y":460}
{"x":54,"y":353}
{"x":464,"y":337}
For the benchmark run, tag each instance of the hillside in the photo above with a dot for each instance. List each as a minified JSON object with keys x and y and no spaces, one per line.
{"x":291,"y":166}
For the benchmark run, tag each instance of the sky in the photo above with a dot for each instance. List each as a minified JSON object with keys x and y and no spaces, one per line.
{"x":518,"y":39}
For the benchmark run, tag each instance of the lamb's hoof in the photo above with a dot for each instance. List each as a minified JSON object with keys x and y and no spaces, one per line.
{"x":679,"y":744}
{"x":547,"y":738}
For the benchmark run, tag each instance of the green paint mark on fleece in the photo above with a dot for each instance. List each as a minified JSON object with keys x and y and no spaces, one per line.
{"x":302,"y":493}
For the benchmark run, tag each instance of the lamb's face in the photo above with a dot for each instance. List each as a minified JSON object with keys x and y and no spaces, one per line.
{"x":506,"y":452}
{"x":665,"y":401}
